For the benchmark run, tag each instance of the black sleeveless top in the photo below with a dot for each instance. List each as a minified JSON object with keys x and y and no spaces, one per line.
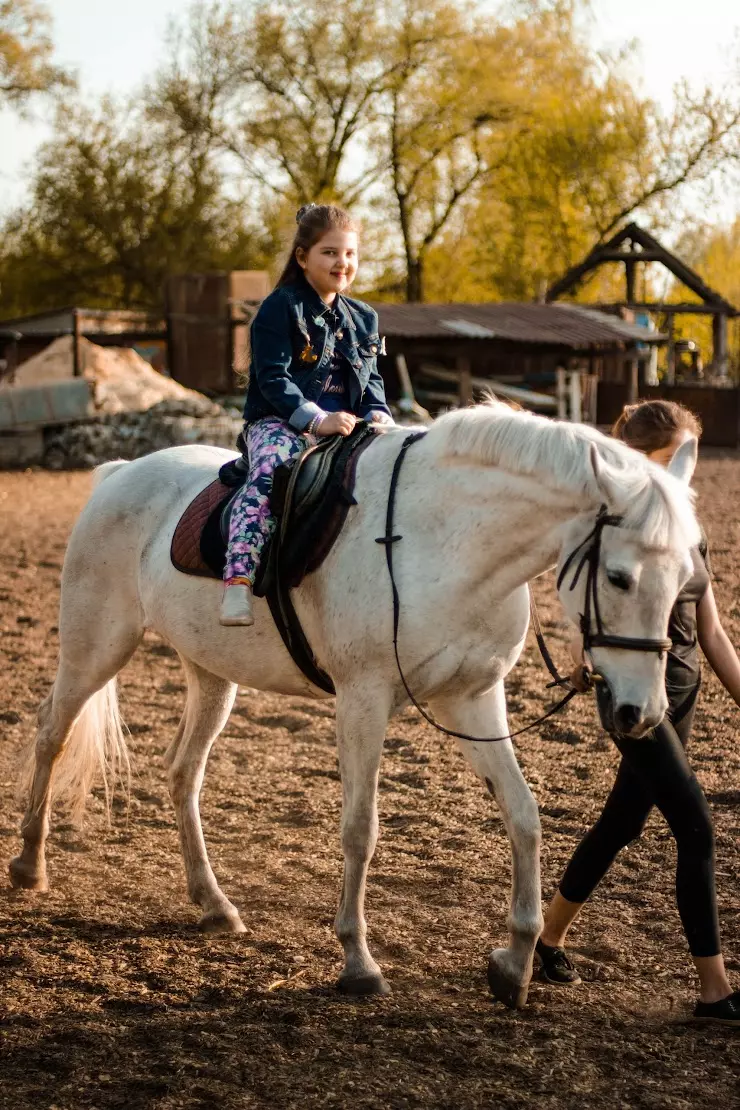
{"x":682,"y":667}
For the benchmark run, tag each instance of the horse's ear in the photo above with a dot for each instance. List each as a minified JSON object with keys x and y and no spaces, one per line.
{"x":683,"y":462}
{"x":604,"y":478}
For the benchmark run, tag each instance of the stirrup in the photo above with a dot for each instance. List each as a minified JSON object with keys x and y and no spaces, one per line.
{"x":236,"y":606}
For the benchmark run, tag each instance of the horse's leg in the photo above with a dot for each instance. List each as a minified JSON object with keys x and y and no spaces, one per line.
{"x":509,"y":969}
{"x":169,"y":756}
{"x":209,"y":704}
{"x":72,"y":727}
{"x":362,"y":717}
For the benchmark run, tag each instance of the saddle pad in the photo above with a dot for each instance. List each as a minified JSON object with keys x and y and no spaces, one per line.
{"x":185,"y":549}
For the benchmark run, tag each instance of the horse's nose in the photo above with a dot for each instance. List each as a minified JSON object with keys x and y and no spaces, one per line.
{"x":627,"y":718}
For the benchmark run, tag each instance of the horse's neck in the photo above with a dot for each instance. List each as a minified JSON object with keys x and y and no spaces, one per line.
{"x":508,"y":528}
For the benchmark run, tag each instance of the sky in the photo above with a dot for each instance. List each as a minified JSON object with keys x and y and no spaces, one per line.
{"x":114,"y":47}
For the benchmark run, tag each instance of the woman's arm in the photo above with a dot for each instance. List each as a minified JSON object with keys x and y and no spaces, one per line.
{"x":716,"y":645}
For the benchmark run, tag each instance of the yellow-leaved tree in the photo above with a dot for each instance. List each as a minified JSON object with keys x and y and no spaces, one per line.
{"x":26,"y":49}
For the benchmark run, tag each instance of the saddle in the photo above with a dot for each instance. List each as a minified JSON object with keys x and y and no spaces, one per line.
{"x":310,"y":499}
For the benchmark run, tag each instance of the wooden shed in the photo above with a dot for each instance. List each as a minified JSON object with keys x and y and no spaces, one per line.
{"x":453,"y":350}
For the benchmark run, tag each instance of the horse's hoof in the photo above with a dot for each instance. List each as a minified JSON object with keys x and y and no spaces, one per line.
{"x":25,"y":878}
{"x":362,"y":986}
{"x":505,"y":989}
{"x":217,"y":922}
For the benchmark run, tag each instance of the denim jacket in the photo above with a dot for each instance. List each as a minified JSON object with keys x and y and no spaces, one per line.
{"x":288,"y":325}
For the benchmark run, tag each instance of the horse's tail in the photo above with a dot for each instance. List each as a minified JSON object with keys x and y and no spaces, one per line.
{"x":96,"y":744}
{"x":105,"y":470}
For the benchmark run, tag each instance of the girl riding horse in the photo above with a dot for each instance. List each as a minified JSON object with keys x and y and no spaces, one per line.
{"x":313,"y":373}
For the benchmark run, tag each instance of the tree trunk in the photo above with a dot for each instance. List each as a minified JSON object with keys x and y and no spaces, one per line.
{"x":414,"y":280}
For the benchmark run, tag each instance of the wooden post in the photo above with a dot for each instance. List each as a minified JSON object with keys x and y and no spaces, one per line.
{"x":719,"y":347}
{"x":404,"y":378}
{"x":670,"y":372}
{"x":575,"y":396}
{"x":633,"y":380}
{"x":76,"y":366}
{"x":591,"y":399}
{"x":629,"y":271}
{"x":466,"y":383}
{"x":562,"y":393}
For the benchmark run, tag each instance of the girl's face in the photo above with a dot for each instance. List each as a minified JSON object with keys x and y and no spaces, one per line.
{"x":664,"y":455}
{"x":331,"y":264}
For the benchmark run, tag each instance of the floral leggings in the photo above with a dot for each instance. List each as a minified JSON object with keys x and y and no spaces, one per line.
{"x":271,"y":441}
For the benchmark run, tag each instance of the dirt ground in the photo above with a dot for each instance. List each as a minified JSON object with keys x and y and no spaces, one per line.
{"x":109,"y":997}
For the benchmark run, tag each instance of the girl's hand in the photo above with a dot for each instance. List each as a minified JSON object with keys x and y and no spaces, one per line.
{"x":336,"y":423}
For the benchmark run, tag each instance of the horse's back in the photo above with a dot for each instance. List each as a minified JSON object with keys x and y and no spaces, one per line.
{"x":181,"y":467}
{"x":132,"y":503}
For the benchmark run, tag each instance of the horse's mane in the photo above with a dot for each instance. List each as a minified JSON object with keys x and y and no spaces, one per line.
{"x":654,"y":502}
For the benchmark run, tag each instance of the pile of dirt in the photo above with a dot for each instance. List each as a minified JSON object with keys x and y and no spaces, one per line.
{"x":136,"y":409}
{"x":123,"y":380}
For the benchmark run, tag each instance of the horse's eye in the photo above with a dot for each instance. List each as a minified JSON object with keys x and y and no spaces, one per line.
{"x":619,"y":579}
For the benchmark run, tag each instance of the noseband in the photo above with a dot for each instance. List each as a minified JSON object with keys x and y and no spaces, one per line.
{"x":591,"y":615}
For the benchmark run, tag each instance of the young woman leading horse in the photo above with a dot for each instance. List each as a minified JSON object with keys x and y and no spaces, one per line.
{"x":487,"y":499}
{"x":654,"y":772}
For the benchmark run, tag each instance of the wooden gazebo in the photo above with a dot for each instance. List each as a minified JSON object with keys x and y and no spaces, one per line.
{"x":632,"y":246}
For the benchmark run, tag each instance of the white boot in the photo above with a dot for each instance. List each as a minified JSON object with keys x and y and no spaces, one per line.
{"x":236,"y":605}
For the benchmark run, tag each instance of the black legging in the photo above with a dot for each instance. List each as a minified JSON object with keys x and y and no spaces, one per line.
{"x":655,"y":772}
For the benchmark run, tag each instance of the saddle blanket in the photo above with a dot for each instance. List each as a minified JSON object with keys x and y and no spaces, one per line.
{"x":312,"y":512}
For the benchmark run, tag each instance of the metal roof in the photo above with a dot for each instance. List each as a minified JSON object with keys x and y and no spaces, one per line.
{"x":565,"y":325}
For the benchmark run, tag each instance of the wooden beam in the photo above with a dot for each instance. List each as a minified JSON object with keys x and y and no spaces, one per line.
{"x":661,"y":306}
{"x":501,"y":388}
{"x":719,"y":347}
{"x":652,"y":251}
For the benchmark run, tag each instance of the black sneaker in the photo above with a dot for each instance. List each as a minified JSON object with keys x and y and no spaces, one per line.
{"x":555,"y":967}
{"x":724,"y":1012}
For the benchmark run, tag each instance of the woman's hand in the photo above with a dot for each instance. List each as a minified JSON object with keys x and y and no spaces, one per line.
{"x":336,"y":424}
{"x":580,"y":678}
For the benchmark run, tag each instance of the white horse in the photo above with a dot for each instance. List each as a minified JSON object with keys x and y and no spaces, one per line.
{"x":488,"y":499}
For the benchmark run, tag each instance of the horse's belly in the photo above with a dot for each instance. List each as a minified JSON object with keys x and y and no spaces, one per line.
{"x":184,"y":610}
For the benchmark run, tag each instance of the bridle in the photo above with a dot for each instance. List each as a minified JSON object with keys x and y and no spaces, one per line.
{"x":591,"y":550}
{"x":591,"y":615}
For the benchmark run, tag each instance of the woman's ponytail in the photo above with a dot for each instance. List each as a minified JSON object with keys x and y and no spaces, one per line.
{"x":652,"y":425}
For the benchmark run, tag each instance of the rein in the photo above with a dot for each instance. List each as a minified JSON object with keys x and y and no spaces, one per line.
{"x":599,"y":638}
{"x":388,"y":540}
